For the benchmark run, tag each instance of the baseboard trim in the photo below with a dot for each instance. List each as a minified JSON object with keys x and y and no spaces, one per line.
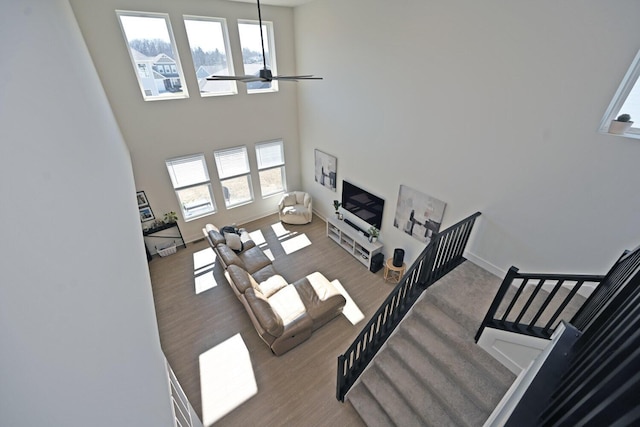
{"x":484,"y":264}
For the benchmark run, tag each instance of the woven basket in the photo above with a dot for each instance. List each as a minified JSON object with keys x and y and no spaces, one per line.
{"x":167,"y":250}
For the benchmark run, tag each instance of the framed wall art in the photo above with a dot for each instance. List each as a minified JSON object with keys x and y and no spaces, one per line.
{"x":418,"y":214}
{"x":326,"y":169}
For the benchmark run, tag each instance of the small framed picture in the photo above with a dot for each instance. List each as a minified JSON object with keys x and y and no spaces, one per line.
{"x":146,"y":214}
{"x":142,"y":199}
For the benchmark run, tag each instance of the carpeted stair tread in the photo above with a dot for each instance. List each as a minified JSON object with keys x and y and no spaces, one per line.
{"x":459,"y":405}
{"x":461,"y":344}
{"x":455,"y":359}
{"x":368,"y":407}
{"x":466,"y":293}
{"x":389,"y":398}
{"x":422,"y":400}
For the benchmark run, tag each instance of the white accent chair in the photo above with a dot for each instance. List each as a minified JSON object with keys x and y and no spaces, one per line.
{"x":295,"y":208}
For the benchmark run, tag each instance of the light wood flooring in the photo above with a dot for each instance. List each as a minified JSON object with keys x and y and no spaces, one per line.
{"x":297,"y":388}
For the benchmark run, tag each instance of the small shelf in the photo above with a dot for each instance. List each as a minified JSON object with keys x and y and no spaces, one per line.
{"x":352,"y":241}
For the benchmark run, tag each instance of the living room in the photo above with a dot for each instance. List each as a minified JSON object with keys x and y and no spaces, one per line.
{"x":491,"y":107}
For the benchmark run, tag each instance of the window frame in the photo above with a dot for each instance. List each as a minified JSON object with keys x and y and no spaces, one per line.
{"x":174,"y":49}
{"x":281,"y":166}
{"x":631,"y":79}
{"x":228,"y":53}
{"x":207,"y":182}
{"x":270,"y":45}
{"x":217,"y":154}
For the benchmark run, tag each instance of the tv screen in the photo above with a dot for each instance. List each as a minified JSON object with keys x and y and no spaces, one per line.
{"x":362,"y":204}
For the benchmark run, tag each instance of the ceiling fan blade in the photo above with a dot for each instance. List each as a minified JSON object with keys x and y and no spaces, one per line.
{"x":244,"y":77}
{"x":296,"y":78}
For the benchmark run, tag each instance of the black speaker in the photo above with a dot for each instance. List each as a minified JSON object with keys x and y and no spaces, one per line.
{"x":398,"y":257}
{"x":376,"y":262}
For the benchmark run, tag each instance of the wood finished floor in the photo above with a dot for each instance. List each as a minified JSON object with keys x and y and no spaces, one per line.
{"x":297,"y":388}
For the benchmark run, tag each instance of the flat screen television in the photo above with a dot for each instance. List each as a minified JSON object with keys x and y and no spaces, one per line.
{"x":362,"y":204}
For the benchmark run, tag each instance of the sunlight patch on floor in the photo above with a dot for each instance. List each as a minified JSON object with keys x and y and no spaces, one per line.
{"x":204,"y":282}
{"x":203,"y":258}
{"x":350,"y":310}
{"x":226,"y":379}
{"x":269,"y":254}
{"x":295,"y":244}
{"x":203,"y":263}
{"x":258,"y":237}
{"x":280,"y":231}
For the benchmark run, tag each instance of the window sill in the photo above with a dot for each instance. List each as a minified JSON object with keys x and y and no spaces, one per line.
{"x":624,"y":135}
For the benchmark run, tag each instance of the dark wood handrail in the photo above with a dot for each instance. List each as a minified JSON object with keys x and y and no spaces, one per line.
{"x":442,"y":254}
{"x":532,"y":327}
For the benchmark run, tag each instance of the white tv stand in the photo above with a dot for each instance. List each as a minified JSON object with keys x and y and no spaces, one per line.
{"x":352,"y":241}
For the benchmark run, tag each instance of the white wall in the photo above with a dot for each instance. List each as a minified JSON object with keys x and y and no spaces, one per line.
{"x":491,"y":106}
{"x":158,"y":130}
{"x":80,"y":344}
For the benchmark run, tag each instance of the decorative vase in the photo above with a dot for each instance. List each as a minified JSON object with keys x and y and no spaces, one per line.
{"x":619,"y":128}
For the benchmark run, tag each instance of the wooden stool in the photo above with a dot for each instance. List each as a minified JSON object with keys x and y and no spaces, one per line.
{"x":393,"y":273}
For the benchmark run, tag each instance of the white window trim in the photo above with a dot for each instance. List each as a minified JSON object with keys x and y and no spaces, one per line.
{"x":227,"y":47}
{"x":247,"y":174}
{"x":197,"y":184}
{"x":271,"y":45}
{"x":629,"y":80}
{"x":165,"y":16}
{"x":281,"y":165}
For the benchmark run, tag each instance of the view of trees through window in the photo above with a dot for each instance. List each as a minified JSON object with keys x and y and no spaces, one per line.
{"x":155,"y":61}
{"x":210,"y":53}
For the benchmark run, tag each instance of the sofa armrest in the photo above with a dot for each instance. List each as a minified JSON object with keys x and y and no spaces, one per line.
{"x":248,"y":245}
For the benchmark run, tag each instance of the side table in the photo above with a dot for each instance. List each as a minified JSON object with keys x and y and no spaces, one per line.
{"x":393,"y":273}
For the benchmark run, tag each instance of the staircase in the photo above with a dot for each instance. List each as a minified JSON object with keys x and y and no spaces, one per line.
{"x":430,"y":372}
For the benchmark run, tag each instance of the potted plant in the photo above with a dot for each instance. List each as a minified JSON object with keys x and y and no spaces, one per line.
{"x":336,"y":206}
{"x":170,"y":217}
{"x":620,"y":125}
{"x":373,"y":234}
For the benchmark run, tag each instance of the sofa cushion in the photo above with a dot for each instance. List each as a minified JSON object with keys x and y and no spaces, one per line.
{"x":272,"y":285}
{"x":254,"y":259}
{"x":264,"y":273}
{"x":300,"y":197}
{"x":241,"y":279}
{"x":287,"y":304}
{"x":289,"y":199}
{"x":262,"y":310}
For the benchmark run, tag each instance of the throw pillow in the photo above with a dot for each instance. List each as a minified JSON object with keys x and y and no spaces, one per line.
{"x":233,"y":241}
{"x":272,"y":285}
{"x":290,"y":199}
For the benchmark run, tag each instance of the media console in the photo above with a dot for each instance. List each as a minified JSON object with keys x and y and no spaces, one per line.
{"x":352,"y":241}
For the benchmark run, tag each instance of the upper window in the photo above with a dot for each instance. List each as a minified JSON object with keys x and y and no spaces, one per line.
{"x":209,"y":42}
{"x":270,"y":157}
{"x":153,"y":54}
{"x":191,"y":182}
{"x":252,"y":53}
{"x":235,"y":175}
{"x":626,"y":101}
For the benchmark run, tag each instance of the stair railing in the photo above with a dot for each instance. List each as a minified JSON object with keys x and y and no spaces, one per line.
{"x":536,"y":314}
{"x":518,"y":313}
{"x":442,"y":254}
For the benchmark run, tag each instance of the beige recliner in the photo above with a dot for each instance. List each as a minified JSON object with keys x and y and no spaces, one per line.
{"x":295,"y":208}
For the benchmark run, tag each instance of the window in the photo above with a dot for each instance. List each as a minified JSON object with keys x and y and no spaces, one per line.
{"x":252,"y":53}
{"x":626,"y":100}
{"x":209,"y":42}
{"x":234,"y":173}
{"x":270,"y":157}
{"x":191,"y":182}
{"x":153,"y":54}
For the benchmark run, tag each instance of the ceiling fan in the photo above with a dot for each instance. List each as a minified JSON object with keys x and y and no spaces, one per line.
{"x":265,"y":74}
